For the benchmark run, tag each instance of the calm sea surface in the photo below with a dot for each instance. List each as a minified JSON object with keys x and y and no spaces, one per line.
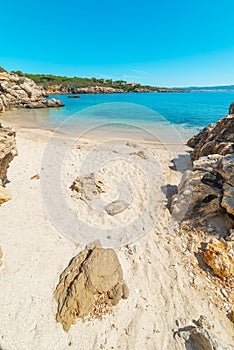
{"x":185,"y":113}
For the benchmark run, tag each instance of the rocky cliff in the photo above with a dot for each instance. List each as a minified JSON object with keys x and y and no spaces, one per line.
{"x":22,"y":92}
{"x":7,"y":153}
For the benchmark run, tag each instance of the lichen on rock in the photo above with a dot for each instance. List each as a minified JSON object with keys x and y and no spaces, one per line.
{"x":89,"y":286}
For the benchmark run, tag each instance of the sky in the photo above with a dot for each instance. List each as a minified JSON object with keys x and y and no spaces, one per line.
{"x":160,"y":43}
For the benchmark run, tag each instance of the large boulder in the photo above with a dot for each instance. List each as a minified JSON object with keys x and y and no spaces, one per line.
{"x":214,"y":139}
{"x":89,"y":286}
{"x":207,"y":191}
{"x":21,"y":92}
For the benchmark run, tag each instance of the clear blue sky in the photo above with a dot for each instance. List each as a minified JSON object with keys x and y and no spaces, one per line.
{"x":164,"y":43}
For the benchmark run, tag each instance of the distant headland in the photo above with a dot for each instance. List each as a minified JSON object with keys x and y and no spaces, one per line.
{"x":54,"y":84}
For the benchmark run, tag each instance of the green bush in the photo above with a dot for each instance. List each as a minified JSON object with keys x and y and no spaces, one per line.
{"x":2,"y":70}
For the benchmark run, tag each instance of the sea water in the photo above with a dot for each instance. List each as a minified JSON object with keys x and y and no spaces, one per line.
{"x":163,"y":113}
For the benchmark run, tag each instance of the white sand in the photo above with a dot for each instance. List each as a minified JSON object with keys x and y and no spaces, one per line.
{"x":35,"y":252}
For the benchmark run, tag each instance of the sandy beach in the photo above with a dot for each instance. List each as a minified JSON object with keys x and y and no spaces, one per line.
{"x":168,"y":290}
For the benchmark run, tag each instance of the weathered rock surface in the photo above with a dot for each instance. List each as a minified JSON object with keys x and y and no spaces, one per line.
{"x":206,"y":192}
{"x":7,"y":150}
{"x":220,"y":257}
{"x":4,"y":195}
{"x":116,"y":207}
{"x":7,"y":153}
{"x":22,"y":92}
{"x":201,"y":336}
{"x":89,"y":186}
{"x":231,"y":108}
{"x":89,"y":286}
{"x":214,"y":139}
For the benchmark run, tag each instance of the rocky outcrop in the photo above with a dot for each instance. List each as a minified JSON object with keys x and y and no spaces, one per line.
{"x":220,"y":257}
{"x":207,"y":192}
{"x":22,"y":92}
{"x":89,"y":286}
{"x":7,"y":153}
{"x":214,"y":139}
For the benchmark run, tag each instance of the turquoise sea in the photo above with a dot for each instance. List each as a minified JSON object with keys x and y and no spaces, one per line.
{"x":185,"y":112}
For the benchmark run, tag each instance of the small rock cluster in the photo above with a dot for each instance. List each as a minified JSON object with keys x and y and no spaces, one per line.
{"x":22,"y":92}
{"x":89,"y":286}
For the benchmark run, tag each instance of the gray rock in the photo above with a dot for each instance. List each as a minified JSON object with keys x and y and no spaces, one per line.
{"x":207,"y":192}
{"x":116,"y":207}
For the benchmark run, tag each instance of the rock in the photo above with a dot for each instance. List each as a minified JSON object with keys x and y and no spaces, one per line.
{"x":54,"y":103}
{"x":207,"y":192}
{"x":116,"y":207}
{"x":89,"y":186}
{"x":140,"y":154}
{"x":4,"y":195}
{"x":89,"y":286}
{"x":198,"y":197}
{"x":228,"y":198}
{"x":214,"y":139}
{"x":21,"y":92}
{"x":7,"y":151}
{"x":35,"y":177}
{"x":225,"y":167}
{"x":2,"y":107}
{"x":200,"y":337}
{"x":231,"y":108}
{"x":220,"y":257}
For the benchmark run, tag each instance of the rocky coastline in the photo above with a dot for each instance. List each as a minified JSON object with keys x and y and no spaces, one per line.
{"x":60,"y":90}
{"x":22,"y":92}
